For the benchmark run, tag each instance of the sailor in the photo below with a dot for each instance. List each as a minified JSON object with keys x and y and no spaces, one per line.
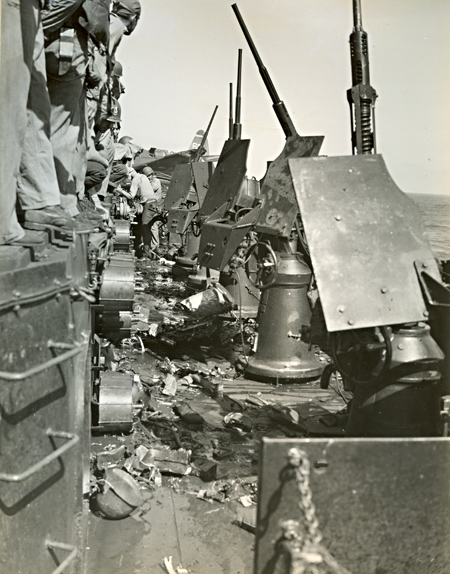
{"x":125,"y":15}
{"x":66,"y":51}
{"x":96,"y":21}
{"x":142,"y":193}
{"x":156,"y":185}
{"x":156,"y":204}
{"x":27,"y":168}
{"x":101,"y":153}
{"x":134,"y":148}
{"x":116,"y":86}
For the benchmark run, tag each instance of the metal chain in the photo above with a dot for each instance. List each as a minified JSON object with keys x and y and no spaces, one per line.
{"x":308,"y":555}
{"x":300,"y":462}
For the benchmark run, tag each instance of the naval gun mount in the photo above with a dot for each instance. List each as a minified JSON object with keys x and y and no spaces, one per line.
{"x":229,"y":211}
{"x":343,"y":503}
{"x":377,"y":283}
{"x":280,"y":272}
{"x":373,"y":269}
{"x":183,"y":201}
{"x":382,"y":315}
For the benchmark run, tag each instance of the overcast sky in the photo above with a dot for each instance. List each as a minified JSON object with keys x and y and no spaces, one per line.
{"x":181,"y":58}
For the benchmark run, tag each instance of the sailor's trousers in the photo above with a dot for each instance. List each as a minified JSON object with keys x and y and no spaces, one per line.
{"x":27,"y":170}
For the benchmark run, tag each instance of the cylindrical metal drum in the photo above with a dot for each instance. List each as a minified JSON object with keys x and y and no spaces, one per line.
{"x":122,"y":238}
{"x":117,"y":290}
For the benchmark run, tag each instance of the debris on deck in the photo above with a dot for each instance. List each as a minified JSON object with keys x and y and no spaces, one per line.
{"x":197,"y":422}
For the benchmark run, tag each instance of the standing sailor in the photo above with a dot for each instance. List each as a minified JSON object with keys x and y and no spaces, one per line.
{"x":125,"y":15}
{"x":157,"y":203}
{"x":27,"y":171}
{"x":146,"y":196}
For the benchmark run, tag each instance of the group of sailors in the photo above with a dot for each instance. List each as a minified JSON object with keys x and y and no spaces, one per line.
{"x":60,"y":119}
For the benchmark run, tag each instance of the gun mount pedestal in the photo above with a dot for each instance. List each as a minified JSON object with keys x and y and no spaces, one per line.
{"x":245,"y":294}
{"x":202,"y":279}
{"x":186,"y":264}
{"x":402,"y":398}
{"x":283,"y":315}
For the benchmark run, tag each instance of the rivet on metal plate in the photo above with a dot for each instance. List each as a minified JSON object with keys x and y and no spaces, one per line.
{"x":320,"y":465}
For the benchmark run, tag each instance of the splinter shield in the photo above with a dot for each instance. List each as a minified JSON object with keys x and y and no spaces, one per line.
{"x":179,"y":218}
{"x":202,"y":171}
{"x":372,"y":506}
{"x":279,"y":205}
{"x":221,"y":237}
{"x":180,"y":185}
{"x":364,"y":236}
{"x":228,"y":176}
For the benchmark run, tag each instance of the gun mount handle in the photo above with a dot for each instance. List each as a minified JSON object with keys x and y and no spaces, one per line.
{"x":279,"y":107}
{"x":261,"y":265}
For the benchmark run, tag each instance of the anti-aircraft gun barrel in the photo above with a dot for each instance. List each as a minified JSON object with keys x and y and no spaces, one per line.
{"x":205,"y":135}
{"x":359,"y":48}
{"x":361,"y":95}
{"x":279,"y":107}
{"x":237,"y":127}
{"x":230,"y":119}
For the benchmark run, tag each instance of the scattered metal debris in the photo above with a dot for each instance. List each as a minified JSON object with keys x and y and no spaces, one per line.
{"x":196,"y":423}
{"x":171,"y":570}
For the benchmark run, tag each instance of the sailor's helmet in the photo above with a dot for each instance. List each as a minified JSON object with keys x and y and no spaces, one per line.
{"x":147,"y":170}
{"x":114,"y":112}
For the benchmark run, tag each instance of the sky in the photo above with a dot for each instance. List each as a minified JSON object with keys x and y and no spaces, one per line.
{"x":183,"y":55}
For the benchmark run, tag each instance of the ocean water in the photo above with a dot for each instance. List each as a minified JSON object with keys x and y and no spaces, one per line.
{"x":435,"y":212}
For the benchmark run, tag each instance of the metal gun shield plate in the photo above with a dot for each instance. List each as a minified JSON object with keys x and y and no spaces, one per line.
{"x":228,"y":176}
{"x":179,"y":185}
{"x":381,"y":504}
{"x":179,"y":218}
{"x":279,"y":206}
{"x":202,"y":171}
{"x":221,"y":237}
{"x":364,"y":236}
